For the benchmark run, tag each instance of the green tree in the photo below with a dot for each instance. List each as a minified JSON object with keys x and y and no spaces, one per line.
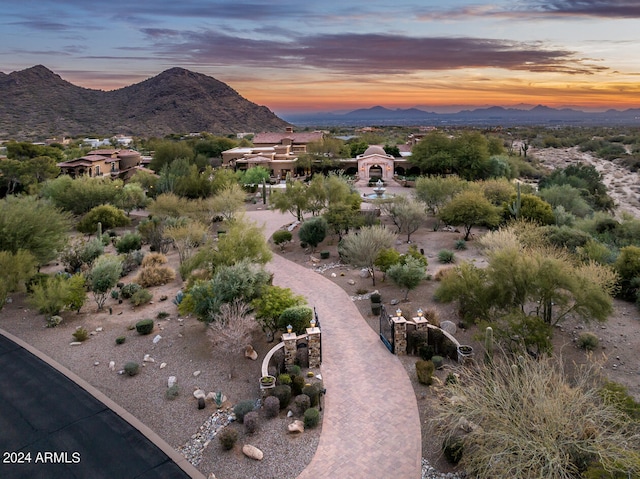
{"x":293,"y":199}
{"x":58,"y":293}
{"x":568,"y":197}
{"x":270,"y":305}
{"x":80,"y":195}
{"x":108,"y":216}
{"x":313,"y":231}
{"x":468,"y":209}
{"x":253,"y":176}
{"x":186,"y":238}
{"x":466,"y":284}
{"x":341,"y":217}
{"x":166,"y":152}
{"x":362,"y":248}
{"x":244,"y":240}
{"x":22,"y":227}
{"x":228,"y":202}
{"x":471,"y":154}
{"x":436,"y":191}
{"x":131,"y":197}
{"x":103,"y":277}
{"x":433,"y":154}
{"x":386,"y":259}
{"x":408,"y":275}
{"x":532,"y":208}
{"x":409,"y":216}
{"x":628,"y":267}
{"x":15,"y":270}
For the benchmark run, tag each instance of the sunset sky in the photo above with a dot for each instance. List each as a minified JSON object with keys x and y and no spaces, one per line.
{"x":293,"y":55}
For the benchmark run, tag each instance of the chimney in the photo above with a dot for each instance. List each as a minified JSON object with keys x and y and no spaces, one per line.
{"x":289,"y":129}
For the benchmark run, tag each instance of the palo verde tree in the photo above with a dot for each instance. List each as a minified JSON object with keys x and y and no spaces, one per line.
{"x":34,"y":225}
{"x":436,"y":191}
{"x":468,"y":209}
{"x":407,"y":275}
{"x":293,"y":199}
{"x":362,"y":248}
{"x":103,"y":277}
{"x":271,"y":304}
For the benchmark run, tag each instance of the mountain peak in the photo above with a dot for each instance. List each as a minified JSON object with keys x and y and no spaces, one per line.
{"x":38,"y":103}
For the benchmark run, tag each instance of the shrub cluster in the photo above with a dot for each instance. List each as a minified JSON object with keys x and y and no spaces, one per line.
{"x":271,"y":407}
{"x":228,"y":438}
{"x":311,"y":417}
{"x":283,"y":393}
{"x":145,"y":326}
{"x":251,"y":421}
{"x":588,"y":341}
{"x":80,"y":334}
{"x":424,"y":370}
{"x":242,"y":408}
{"x":172,"y":392}
{"x":131,"y":368}
{"x":301,"y":402}
{"x":142,"y":296}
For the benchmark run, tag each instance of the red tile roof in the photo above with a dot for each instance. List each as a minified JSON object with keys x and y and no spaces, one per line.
{"x":275,"y":138}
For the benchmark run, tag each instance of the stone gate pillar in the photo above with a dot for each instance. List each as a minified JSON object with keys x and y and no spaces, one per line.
{"x":290,"y":346}
{"x":315,"y":358}
{"x":399,"y":335}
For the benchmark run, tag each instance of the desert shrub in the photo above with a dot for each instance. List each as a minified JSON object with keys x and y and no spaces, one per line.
{"x":297,"y":316}
{"x":131,"y":261}
{"x":120,"y":340}
{"x":552,"y":424}
{"x":144,"y":326}
{"x":131,"y":368}
{"x":451,"y":379}
{"x":426,"y":352}
{"x":271,"y":406}
{"x":172,"y":392}
{"x":129,"y":242}
{"x":80,"y":334}
{"x":150,"y":276}
{"x":81,"y":253}
{"x":295,"y":370}
{"x":242,"y":408}
{"x":311,"y":417}
{"x":375,"y":297}
{"x":415,"y":340}
{"x":441,"y":273}
{"x":313,"y":391}
{"x":297,"y":383}
{"x":251,"y":422}
{"x":588,"y":341}
{"x":438,"y":361}
{"x":446,"y":256}
{"x":432,"y":316}
{"x":283,"y":393}
{"x":284,"y":378}
{"x":618,"y":396}
{"x":436,"y":339}
{"x":453,"y":448}
{"x":424,"y":370}
{"x":129,"y":290}
{"x":53,"y":321}
{"x":228,"y":438}
{"x":460,"y":244}
{"x":154,"y":259}
{"x":142,"y":296}
{"x":281,"y":237}
{"x":301,"y":403}
{"x":324,"y":254}
{"x":313,"y":231}
{"x":108,"y":216}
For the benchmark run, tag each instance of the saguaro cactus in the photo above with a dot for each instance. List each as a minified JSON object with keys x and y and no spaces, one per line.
{"x":514,"y":208}
{"x":488,"y":345}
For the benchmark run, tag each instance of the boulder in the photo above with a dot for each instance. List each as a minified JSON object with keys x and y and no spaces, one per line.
{"x":296,"y":426}
{"x":449,"y":326}
{"x":163,"y":365}
{"x":199,"y":393}
{"x":148,"y":359}
{"x":250,"y":353}
{"x":196,"y":374}
{"x":171,"y":381}
{"x":252,"y":452}
{"x":157,"y":339}
{"x":112,"y":365}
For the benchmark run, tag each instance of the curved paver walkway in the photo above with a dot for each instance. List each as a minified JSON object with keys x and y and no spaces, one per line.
{"x":371,"y":425}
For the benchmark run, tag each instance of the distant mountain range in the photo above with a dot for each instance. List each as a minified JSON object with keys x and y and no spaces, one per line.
{"x":492,"y":116}
{"x":36,"y":103}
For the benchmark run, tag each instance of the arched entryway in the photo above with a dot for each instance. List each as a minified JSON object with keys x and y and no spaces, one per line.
{"x":375,"y":172}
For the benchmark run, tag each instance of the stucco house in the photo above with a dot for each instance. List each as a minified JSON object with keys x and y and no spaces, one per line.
{"x":116,"y":163}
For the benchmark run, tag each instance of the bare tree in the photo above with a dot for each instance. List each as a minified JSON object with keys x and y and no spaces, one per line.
{"x":362,"y":248}
{"x":231,"y":330}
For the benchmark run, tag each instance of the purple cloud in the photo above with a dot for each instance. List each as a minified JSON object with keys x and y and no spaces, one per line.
{"x":369,"y":53}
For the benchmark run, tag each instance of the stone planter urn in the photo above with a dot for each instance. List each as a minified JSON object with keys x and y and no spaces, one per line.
{"x":267,"y":382}
{"x":465,"y":354}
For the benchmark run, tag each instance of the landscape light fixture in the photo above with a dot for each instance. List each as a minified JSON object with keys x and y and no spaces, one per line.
{"x":420,"y":312}
{"x":398,"y":312}
{"x":313,"y":322}
{"x":289,"y":328}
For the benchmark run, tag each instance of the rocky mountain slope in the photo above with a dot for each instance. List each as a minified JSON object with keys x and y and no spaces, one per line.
{"x":36,"y":103}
